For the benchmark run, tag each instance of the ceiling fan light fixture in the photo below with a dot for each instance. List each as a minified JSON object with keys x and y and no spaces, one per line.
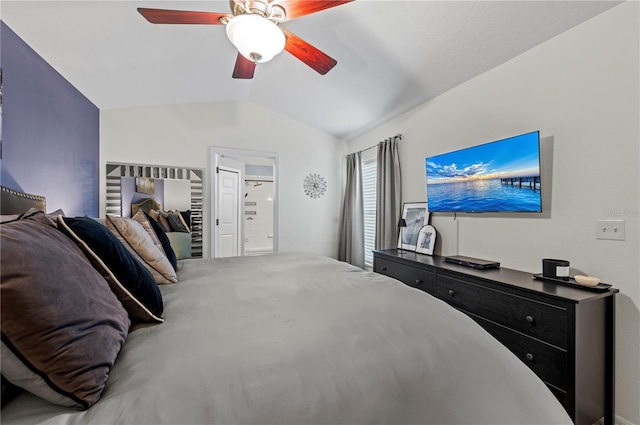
{"x":256,"y":38}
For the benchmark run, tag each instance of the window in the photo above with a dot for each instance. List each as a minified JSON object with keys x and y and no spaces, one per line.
{"x":369,"y":181}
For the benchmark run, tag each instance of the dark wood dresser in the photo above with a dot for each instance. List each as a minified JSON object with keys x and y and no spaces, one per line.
{"x":565,"y":334}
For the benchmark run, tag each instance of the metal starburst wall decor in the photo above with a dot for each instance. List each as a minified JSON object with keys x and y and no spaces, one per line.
{"x":314,"y":185}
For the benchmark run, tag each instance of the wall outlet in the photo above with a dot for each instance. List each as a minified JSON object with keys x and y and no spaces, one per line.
{"x":610,"y":229}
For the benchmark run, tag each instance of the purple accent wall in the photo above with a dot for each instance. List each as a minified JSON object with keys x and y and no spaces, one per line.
{"x":50,"y":132}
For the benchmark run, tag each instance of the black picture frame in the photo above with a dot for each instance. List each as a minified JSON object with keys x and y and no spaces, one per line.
{"x":416,"y":215}
{"x":426,"y":240}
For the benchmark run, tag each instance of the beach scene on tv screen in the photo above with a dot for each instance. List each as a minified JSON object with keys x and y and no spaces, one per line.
{"x":497,"y":176}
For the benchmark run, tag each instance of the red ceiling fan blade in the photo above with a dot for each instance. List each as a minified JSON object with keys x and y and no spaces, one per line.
{"x":308,"y":54}
{"x":244,"y":68}
{"x":298,"y":8}
{"x":164,"y":16}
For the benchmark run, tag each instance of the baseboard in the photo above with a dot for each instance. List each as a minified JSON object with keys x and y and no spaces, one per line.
{"x":618,"y":421}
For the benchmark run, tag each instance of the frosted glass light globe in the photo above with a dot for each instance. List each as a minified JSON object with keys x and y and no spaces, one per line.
{"x":256,"y":38}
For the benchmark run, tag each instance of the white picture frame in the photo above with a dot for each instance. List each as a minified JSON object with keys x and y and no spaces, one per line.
{"x":426,"y":240}
{"x":416,"y":215}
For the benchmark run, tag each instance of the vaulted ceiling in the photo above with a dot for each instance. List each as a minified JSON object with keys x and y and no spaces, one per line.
{"x":392,"y":55}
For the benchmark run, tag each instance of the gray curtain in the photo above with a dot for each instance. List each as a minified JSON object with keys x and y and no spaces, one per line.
{"x":351,"y":247}
{"x":389,"y":194}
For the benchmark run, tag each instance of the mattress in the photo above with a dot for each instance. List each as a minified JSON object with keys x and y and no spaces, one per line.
{"x":299,"y":338}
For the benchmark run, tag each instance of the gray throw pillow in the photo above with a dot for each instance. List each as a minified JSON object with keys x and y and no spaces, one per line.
{"x":62,"y":326}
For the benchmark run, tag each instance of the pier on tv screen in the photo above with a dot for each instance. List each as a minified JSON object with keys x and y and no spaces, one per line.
{"x":501,"y":176}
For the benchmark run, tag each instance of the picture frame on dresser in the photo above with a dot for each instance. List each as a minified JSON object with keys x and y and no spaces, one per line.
{"x":416,"y":216}
{"x":426,"y":240}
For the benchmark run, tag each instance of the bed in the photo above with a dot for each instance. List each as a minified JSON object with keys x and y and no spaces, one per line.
{"x":296,"y":338}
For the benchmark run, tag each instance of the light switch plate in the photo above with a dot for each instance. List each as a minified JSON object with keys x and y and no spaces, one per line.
{"x":610,"y":229}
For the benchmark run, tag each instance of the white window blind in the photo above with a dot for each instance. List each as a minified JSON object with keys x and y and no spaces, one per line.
{"x":369,"y":177}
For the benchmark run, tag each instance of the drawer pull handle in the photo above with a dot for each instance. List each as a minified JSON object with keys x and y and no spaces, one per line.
{"x":384,"y":269}
{"x":451,"y":292}
{"x":529,"y":319}
{"x":418,"y":281}
{"x":529,"y":356}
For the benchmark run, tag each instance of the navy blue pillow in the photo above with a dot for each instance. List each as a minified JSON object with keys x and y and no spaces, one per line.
{"x":186,"y":216}
{"x":141,"y":296}
{"x":164,"y":241}
{"x":176,"y":223}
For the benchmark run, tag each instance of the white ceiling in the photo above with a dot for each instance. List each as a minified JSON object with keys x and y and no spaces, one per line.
{"x":392,"y":55}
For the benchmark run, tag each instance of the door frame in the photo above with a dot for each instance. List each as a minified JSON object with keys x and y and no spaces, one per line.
{"x":217,"y":159}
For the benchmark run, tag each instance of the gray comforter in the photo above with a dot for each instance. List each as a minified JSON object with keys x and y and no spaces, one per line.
{"x":304,"y":339}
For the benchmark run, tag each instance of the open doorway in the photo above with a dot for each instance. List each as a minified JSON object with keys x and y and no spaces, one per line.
{"x":252,"y":206}
{"x":258,"y":213}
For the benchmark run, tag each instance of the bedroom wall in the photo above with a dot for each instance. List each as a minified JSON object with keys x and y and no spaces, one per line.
{"x":50,"y":132}
{"x":581,"y":90}
{"x":181,"y":135}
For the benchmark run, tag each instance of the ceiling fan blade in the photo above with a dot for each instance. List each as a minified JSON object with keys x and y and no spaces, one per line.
{"x":244,"y":68}
{"x":165,"y":16}
{"x":298,"y":8}
{"x":308,"y":54}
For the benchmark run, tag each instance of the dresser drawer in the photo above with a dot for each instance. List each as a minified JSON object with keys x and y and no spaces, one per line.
{"x":542,"y":321}
{"x":546,"y":361}
{"x":412,"y":276}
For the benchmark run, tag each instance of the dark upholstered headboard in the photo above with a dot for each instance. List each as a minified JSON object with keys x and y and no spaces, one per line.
{"x":146,"y":205}
{"x":15,"y":202}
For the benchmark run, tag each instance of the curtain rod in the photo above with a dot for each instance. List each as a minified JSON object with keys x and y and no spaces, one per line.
{"x":376,"y":145}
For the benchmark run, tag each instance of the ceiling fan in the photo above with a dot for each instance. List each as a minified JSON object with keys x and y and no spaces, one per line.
{"x":253,"y":28}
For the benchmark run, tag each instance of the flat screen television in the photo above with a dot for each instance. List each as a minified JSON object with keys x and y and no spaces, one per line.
{"x":501,"y":176}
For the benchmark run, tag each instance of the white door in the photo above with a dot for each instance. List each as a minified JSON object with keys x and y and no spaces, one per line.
{"x":228,"y":213}
{"x":236,"y":160}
